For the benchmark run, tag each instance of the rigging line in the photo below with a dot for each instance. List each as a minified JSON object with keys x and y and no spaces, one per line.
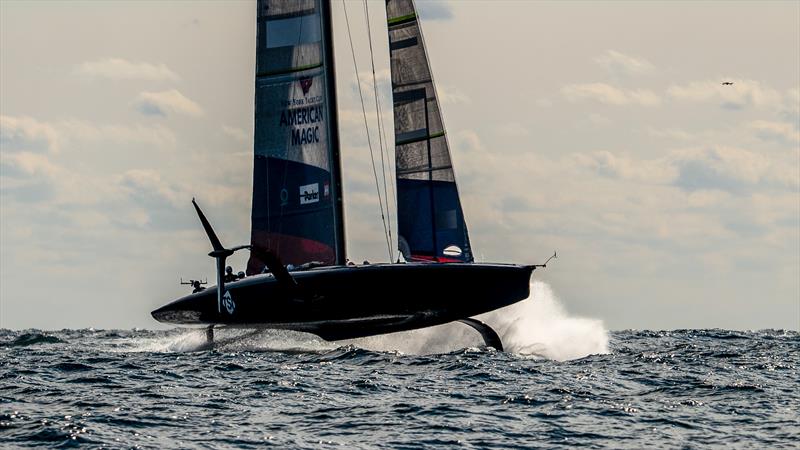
{"x":389,"y":159}
{"x":380,"y":126}
{"x":366,"y":126}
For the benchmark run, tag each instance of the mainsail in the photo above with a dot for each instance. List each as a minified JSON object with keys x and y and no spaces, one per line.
{"x":430,"y":219}
{"x":297,"y":202}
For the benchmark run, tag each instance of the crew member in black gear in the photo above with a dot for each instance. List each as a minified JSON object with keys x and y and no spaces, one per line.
{"x":229,"y":275}
{"x":197,"y":287}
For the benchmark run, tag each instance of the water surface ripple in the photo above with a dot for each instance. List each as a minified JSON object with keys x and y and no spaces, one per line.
{"x":678,"y":389}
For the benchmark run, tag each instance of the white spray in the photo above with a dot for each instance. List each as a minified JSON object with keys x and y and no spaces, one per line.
{"x":537,"y":326}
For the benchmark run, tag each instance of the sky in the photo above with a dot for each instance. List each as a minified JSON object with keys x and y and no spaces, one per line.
{"x":598,"y":129}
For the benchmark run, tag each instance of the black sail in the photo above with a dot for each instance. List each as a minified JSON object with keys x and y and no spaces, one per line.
{"x":430,"y":219}
{"x":297,"y":201}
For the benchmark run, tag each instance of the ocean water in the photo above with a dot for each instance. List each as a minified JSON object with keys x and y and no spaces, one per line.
{"x":565,"y":382}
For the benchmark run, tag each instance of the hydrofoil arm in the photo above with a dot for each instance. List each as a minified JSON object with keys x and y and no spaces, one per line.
{"x":490,"y":337}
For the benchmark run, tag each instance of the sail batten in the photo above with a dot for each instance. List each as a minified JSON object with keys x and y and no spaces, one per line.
{"x":297,"y":206}
{"x":424,"y":169}
{"x":401,"y":20}
{"x":411,"y":137}
{"x":289,"y":70}
{"x":430,"y":218}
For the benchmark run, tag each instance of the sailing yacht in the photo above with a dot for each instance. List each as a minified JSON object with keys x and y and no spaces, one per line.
{"x":298,"y":277}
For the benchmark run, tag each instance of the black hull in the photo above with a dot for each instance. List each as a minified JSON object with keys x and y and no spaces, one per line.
{"x":344,"y":302}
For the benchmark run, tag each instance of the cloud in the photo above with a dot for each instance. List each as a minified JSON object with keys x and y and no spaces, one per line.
{"x":722,"y":168}
{"x":671,"y":133}
{"x":29,"y":193}
{"x":160,"y":196}
{"x":121,"y":69}
{"x":85,"y":131}
{"x":741,"y":94}
{"x":25,"y":164}
{"x":794,"y":96}
{"x":467,"y":141}
{"x":236,"y":133}
{"x":790,"y":111}
{"x":35,"y":177}
{"x":22,"y":133}
{"x":28,"y":177}
{"x":383,"y":79}
{"x":609,"y":95}
{"x":148,"y":187}
{"x":31,"y":173}
{"x":450,"y":95}
{"x":599,"y":120}
{"x":621,"y":64}
{"x":611,"y":165}
{"x":776,"y":131}
{"x":729,"y":169}
{"x":513,"y":129}
{"x":164,"y":102}
{"x":434,"y":10}
{"x":26,"y":133}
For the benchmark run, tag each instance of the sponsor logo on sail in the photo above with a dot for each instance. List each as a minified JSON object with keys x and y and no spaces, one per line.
{"x":305,"y":84}
{"x":307,"y":118}
{"x":309,"y":193}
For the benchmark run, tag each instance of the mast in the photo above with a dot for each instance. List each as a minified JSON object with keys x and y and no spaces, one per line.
{"x":297,"y":192}
{"x":336,"y":183}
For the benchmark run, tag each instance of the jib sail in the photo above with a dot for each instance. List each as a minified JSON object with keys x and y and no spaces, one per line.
{"x":297,"y":203}
{"x":430,"y":219}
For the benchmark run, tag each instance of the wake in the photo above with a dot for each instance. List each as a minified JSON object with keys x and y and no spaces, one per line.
{"x":229,"y":340}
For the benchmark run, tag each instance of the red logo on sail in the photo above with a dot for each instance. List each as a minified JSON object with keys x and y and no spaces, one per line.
{"x":305,"y":83}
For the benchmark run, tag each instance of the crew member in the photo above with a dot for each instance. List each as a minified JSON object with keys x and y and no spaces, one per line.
{"x":229,"y":275}
{"x":197,"y":287}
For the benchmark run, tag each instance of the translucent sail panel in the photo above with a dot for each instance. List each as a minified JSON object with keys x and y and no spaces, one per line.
{"x":430,"y":219}
{"x":296,"y":192}
{"x":291,"y":105}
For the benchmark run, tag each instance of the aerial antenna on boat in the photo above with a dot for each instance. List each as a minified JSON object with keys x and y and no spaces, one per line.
{"x":535,"y":266}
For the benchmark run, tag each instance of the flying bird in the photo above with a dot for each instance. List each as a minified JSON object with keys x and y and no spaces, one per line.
{"x":727,"y":83}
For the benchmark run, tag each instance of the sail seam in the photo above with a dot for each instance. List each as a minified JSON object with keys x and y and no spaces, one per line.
{"x":289,"y":70}
{"x":402,"y":19}
{"x":424,"y":169}
{"x":411,"y":83}
{"x":421,"y":138}
{"x":298,"y":13}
